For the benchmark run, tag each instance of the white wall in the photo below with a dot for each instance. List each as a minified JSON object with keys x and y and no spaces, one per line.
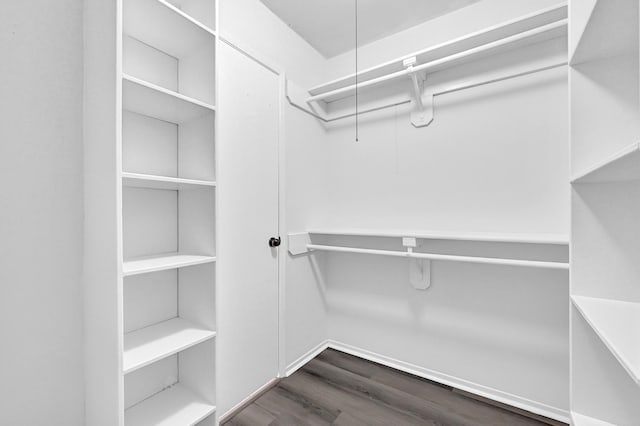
{"x":41,"y":213}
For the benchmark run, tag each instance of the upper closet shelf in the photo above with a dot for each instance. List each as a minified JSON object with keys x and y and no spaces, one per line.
{"x":164,"y":262}
{"x":540,"y":26}
{"x":137,"y":180}
{"x":153,"y":343}
{"x":154,"y":101}
{"x":553,"y":239}
{"x":618,"y":326}
{"x":174,"y":406}
{"x":603,"y":28}
{"x":622,"y":166}
{"x":164,"y":26}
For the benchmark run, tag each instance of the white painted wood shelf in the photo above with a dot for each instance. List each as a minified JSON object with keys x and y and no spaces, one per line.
{"x":617,"y":324}
{"x":580,"y":420}
{"x":147,"y":264}
{"x":164,"y":27}
{"x":139,"y":180}
{"x":603,"y":29}
{"x":622,"y":166}
{"x":176,"y":405}
{"x":453,"y":52}
{"x":155,"y":101}
{"x":551,"y":239}
{"x":150,"y":344}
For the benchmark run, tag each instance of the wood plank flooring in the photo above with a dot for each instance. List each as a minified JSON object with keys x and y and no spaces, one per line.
{"x":342,"y":390}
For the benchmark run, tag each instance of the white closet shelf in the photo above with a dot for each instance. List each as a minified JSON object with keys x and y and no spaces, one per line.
{"x":542,"y":25}
{"x":618,"y":325}
{"x":622,"y":166}
{"x":150,"y":344}
{"x":163,"y":262}
{"x":138,"y":180}
{"x":155,"y":101}
{"x":552,"y":239}
{"x":580,"y":420}
{"x":176,"y":405}
{"x":165,"y":27}
{"x":604,"y":29}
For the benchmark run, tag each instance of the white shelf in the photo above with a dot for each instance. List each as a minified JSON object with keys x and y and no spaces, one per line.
{"x":554,"y":239}
{"x":604,"y":28}
{"x":153,"y":343}
{"x":176,"y":405}
{"x":618,"y":326}
{"x":622,"y":166}
{"x":165,"y":27}
{"x":147,"y":264}
{"x":580,"y":420}
{"x":137,"y":180}
{"x":154,"y":101}
{"x":555,"y":14}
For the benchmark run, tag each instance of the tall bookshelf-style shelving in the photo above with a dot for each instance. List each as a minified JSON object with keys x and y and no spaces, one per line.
{"x":151,"y":357}
{"x":605,"y":243}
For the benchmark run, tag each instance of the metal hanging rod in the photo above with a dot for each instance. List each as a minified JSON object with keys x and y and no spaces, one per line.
{"x":439,"y":62}
{"x":445,"y":257}
{"x":444,"y":91}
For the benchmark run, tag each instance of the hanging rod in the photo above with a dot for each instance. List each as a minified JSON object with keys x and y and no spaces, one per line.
{"x":451,"y":58}
{"x":445,"y":257}
{"x":444,"y":91}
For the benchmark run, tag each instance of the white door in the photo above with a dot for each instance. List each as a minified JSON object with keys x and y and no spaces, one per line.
{"x":248,"y":114}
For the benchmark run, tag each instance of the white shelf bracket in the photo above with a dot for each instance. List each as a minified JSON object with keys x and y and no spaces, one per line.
{"x":423,"y":115}
{"x":419,"y":269}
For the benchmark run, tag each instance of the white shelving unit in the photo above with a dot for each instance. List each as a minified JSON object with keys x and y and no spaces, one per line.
{"x":605,"y":241}
{"x":154,"y":298}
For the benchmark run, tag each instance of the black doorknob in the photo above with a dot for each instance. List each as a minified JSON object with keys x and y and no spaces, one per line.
{"x":274,"y":241}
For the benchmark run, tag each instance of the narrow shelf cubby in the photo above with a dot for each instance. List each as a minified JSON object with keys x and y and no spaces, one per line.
{"x":167,"y":47}
{"x":165,"y":136}
{"x":160,"y":224}
{"x":177,"y":390}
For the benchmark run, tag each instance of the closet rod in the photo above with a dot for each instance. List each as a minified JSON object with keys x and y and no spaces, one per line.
{"x":445,"y":257}
{"x":426,"y":66}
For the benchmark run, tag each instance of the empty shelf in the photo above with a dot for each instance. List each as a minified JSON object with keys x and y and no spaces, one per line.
{"x":143,"y":265}
{"x":137,"y":180}
{"x":150,"y":344}
{"x":580,"y":420}
{"x":618,"y":326}
{"x":555,"y":239}
{"x":176,"y":405}
{"x":165,"y":27}
{"x":604,"y":29}
{"x":622,"y":166}
{"x":154,"y":101}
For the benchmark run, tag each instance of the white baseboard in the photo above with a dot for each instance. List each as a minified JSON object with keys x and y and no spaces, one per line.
{"x":300,"y":362}
{"x":464,"y":385}
{"x":248,"y":400}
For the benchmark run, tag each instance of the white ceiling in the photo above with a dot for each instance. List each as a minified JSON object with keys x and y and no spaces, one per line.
{"x":328,"y":25}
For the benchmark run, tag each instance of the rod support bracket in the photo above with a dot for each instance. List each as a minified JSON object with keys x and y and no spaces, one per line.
{"x":419,"y":269}
{"x":423,"y":114}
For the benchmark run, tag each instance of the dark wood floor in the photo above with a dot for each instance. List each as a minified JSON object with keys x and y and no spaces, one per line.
{"x":339,"y":389}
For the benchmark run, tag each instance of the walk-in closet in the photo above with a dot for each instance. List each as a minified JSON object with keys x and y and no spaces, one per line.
{"x":320,"y":212}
